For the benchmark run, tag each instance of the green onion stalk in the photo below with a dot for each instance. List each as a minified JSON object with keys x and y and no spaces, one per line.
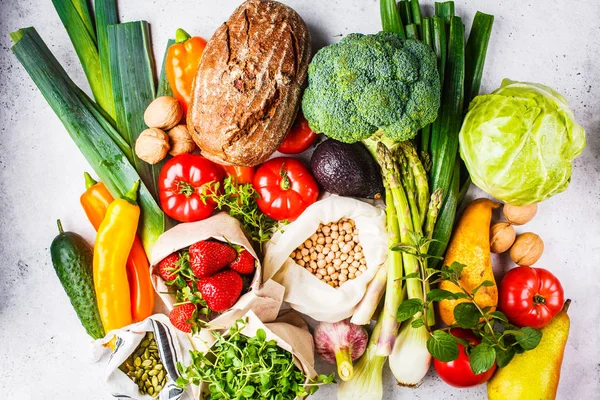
{"x":366,"y":384}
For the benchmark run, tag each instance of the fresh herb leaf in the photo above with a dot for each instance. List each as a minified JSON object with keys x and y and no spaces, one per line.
{"x":530,"y":339}
{"x":412,"y":275}
{"x":499,"y":315}
{"x":240,"y":202}
{"x":503,"y":357}
{"x":408,"y":308}
{"x":442,"y":346}
{"x":440,"y":294}
{"x":466,"y":315}
{"x":417,"y":323}
{"x":482,"y":284}
{"x":482,"y":358}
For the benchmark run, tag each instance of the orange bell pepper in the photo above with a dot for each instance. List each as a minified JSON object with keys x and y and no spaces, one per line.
{"x":183,"y":59}
{"x":95,"y":201}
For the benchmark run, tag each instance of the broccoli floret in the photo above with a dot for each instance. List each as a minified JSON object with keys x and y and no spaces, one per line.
{"x":367,"y":83}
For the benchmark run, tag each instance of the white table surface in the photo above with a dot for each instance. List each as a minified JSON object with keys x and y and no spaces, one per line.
{"x":45,"y":352}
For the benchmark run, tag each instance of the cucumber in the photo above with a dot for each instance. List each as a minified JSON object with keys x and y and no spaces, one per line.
{"x":72,"y":259}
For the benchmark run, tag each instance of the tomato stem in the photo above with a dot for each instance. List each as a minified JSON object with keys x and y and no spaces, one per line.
{"x":285,"y":179}
{"x":185,"y":188}
{"x":539,"y":299}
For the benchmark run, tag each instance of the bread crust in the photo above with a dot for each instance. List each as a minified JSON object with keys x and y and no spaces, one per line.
{"x":248,"y":85}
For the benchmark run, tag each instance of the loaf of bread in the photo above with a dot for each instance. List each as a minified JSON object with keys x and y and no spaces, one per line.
{"x":248,"y":85}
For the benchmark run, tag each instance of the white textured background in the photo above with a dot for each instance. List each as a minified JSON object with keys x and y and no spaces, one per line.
{"x":44,"y":349}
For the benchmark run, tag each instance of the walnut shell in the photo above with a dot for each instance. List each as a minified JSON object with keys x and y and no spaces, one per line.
{"x":527,"y":249}
{"x":502,"y":236}
{"x":181,"y":141}
{"x":519,"y":215}
{"x":152,"y":145}
{"x":163,"y":113}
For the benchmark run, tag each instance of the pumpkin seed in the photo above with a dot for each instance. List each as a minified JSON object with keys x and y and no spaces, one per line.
{"x":158,"y":366}
{"x":137,"y":362}
{"x":145,"y":376}
{"x":147,"y":363}
{"x":154,"y":381}
{"x":161,"y":374}
{"x":154,"y":372}
{"x":159,"y":388}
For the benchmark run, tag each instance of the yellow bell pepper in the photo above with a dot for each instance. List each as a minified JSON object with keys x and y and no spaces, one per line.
{"x":113,"y":244}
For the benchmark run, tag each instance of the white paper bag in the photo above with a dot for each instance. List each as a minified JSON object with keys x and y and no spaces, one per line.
{"x":304,"y":291}
{"x":264,"y":299}
{"x":173,"y":347}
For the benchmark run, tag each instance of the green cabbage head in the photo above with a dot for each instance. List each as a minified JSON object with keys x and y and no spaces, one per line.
{"x":519,"y":141}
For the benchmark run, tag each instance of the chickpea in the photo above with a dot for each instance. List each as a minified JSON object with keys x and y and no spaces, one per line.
{"x":321,"y":263}
{"x":322,"y":271}
{"x":355,"y":264}
{"x":348,"y":238}
{"x":344,"y":266}
{"x":332,"y":284}
{"x":352,"y":270}
{"x":320,"y":256}
{"x":357,"y":273}
{"x":319,"y":276}
{"x":327,"y":278}
{"x":293,"y":255}
{"x":309,"y":269}
{"x":306,"y":258}
{"x":313,"y":265}
{"x":351,"y":275}
{"x":314,"y":237}
{"x":343,"y":257}
{"x":335,"y":234}
{"x":300,"y":263}
{"x":304,"y":252}
{"x":321,"y":240}
{"x":346,"y":248}
{"x":334,"y":227}
{"x":362,"y":268}
{"x":326,"y":250}
{"x":363,"y":261}
{"x":343,"y":278}
{"x":328,"y":239}
{"x":335,"y":247}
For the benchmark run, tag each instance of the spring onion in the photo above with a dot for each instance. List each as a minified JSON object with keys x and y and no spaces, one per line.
{"x":366,"y":384}
{"x":106,"y":14}
{"x":410,"y":359}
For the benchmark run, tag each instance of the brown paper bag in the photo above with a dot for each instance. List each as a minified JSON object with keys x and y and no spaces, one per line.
{"x":264,"y":299}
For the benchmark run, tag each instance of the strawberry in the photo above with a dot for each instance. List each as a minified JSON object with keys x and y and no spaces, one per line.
{"x":244,"y":263}
{"x":167,"y":268}
{"x":182,"y":317}
{"x":208,"y":257}
{"x":221,"y":290}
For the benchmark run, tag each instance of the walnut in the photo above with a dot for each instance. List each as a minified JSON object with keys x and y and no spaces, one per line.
{"x":519,"y":215}
{"x":502,"y":237}
{"x":528,"y":248}
{"x":163,"y":113}
{"x":181,"y":141}
{"x":152,"y":145}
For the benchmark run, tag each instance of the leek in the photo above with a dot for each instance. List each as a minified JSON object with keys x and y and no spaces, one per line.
{"x":106,"y":14}
{"x":132,"y":74}
{"x":86,"y":126}
{"x":164,"y":88}
{"x":84,"y":42}
{"x":366,"y":384}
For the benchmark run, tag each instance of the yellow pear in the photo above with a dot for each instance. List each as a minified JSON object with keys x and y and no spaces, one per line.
{"x":534,"y":374}
{"x":470,"y":245}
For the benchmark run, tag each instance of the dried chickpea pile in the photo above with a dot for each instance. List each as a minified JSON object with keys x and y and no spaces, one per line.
{"x":333,"y":253}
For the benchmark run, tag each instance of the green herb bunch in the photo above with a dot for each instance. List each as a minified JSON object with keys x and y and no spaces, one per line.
{"x":500,"y":340}
{"x":242,"y":367}
{"x":240,"y":202}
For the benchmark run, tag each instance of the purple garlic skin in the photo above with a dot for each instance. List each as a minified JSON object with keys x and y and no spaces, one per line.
{"x":345,"y":336}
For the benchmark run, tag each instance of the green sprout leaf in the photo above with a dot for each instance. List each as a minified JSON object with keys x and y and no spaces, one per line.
{"x":503,"y":357}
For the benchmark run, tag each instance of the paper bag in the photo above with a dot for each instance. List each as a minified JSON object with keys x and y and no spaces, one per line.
{"x":304,"y":291}
{"x":264,"y":299}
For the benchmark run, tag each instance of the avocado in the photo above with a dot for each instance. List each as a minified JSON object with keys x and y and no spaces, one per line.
{"x":347,"y":170}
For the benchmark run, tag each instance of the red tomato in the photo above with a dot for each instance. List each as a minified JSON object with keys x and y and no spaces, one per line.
{"x":179,"y":184}
{"x":240,"y":174}
{"x":285,"y":187}
{"x":530,"y":296}
{"x":299,"y":138}
{"x":458,"y":373}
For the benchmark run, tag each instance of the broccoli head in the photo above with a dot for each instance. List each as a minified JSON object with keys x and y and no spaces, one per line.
{"x":367,"y":83}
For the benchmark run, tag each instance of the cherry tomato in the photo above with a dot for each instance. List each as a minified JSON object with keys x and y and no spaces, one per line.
{"x":530,"y":296}
{"x":285,"y":187}
{"x":180,"y":185}
{"x":458,"y":373}
{"x":299,"y":138}
{"x":240,"y":174}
